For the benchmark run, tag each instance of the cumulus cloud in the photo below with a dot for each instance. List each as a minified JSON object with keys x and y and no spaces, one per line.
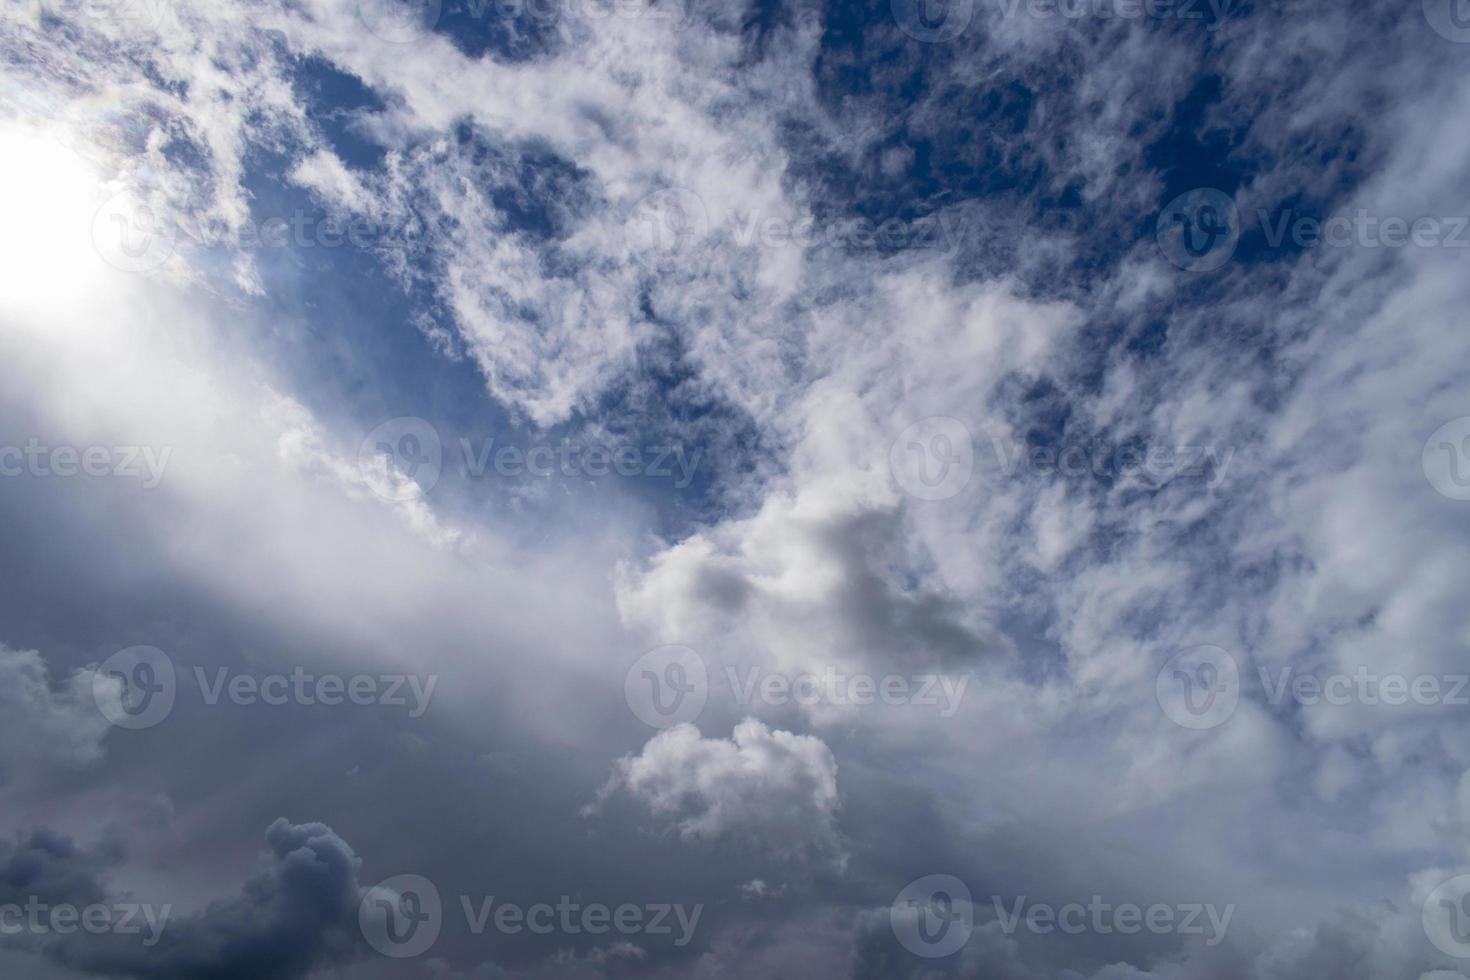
{"x":53,"y":868}
{"x":773,"y":790}
{"x":531,"y":190}
{"x":43,"y":728}
{"x":296,"y":912}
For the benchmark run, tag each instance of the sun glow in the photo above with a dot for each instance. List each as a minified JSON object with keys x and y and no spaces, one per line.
{"x":48,"y":201}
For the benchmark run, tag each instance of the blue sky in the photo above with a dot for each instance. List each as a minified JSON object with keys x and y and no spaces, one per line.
{"x":866,"y":490}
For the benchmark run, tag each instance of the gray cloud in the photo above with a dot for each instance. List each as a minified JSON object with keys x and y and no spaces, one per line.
{"x":296,"y":912}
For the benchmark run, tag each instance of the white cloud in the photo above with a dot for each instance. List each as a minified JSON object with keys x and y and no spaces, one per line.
{"x":773,"y":789}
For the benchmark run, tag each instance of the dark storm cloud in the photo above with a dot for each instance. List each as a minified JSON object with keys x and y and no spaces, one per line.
{"x":54,"y":868}
{"x":296,"y":912}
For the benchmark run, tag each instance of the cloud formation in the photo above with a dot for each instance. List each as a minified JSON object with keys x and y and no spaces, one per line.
{"x":773,"y":790}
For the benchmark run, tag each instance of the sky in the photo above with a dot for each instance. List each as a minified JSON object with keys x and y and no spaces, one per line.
{"x":879,"y":489}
